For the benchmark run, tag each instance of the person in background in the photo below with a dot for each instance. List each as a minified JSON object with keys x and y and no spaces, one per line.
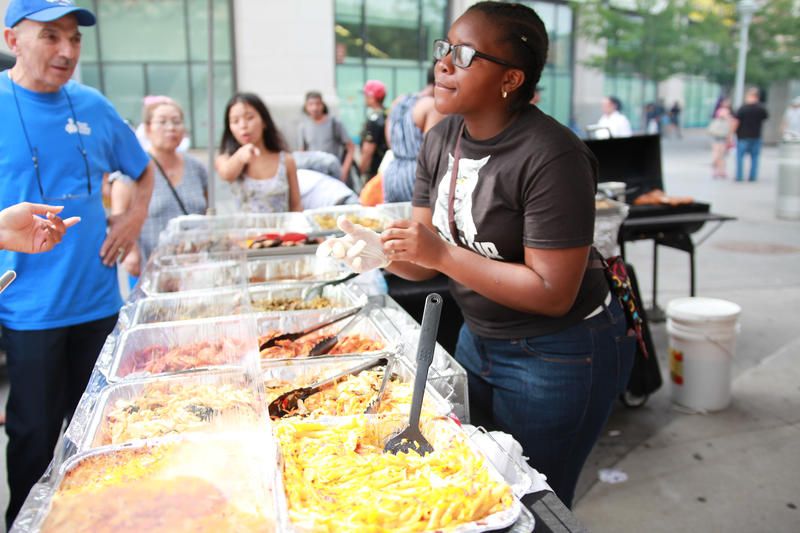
{"x":747,"y":124}
{"x":320,"y":132}
{"x":613,"y":120}
{"x":675,"y":119}
{"x":22,"y":228}
{"x":141,"y":132}
{"x":181,"y":181}
{"x":320,"y":190}
{"x":253,"y":158}
{"x":58,"y":137}
{"x":373,"y":136}
{"x":722,"y":101}
{"x":721,"y":131}
{"x":504,"y":206}
{"x":651,"y":126}
{"x":790,"y":127}
{"x":410,"y":117}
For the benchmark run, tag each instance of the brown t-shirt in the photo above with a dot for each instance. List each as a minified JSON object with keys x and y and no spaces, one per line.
{"x":532,"y":185}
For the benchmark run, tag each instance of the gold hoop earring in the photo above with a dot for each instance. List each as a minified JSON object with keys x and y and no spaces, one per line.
{"x":505,"y":94}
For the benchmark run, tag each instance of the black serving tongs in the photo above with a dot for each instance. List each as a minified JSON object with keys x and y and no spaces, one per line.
{"x":411,"y":437}
{"x":286,"y":403}
{"x":302,"y":333}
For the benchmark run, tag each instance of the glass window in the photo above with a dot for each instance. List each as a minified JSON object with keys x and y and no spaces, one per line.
{"x":388,"y":41}
{"x":197,"y":22}
{"x":90,"y":73}
{"x":124,"y":85}
{"x":141,"y":31}
{"x":556,"y":81}
{"x":158,"y":47}
{"x":392,"y":29}
{"x":223,"y":89}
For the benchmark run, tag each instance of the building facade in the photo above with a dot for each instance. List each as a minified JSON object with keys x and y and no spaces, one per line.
{"x":280,"y":50}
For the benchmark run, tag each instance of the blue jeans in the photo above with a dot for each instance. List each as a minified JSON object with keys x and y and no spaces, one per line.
{"x":747,"y":146}
{"x":553,"y":393}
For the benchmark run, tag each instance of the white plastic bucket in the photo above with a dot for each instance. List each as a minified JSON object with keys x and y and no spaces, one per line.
{"x":702,"y":343}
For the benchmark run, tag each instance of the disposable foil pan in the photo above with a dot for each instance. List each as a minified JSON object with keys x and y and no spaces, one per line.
{"x":296,"y":222}
{"x":238,"y":333}
{"x":372,"y":325}
{"x":295,"y":268}
{"x":200,"y":276}
{"x":96,"y":434}
{"x":240,"y":464}
{"x":191,"y":305}
{"x":341,"y":297}
{"x":324,"y":218}
{"x":303,"y":372}
{"x":499,"y":520}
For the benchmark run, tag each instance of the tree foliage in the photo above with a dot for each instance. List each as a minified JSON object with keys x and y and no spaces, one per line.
{"x":774,"y":53}
{"x":657,"y":39}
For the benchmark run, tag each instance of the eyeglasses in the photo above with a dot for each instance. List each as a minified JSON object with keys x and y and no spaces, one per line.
{"x":176,"y":123}
{"x":463,"y":54}
{"x":55,"y":199}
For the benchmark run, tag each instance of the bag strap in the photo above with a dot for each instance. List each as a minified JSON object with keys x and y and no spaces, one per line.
{"x":169,"y":183}
{"x":451,"y":211}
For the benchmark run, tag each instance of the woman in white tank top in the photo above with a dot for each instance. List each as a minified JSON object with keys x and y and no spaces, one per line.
{"x":253,"y":159}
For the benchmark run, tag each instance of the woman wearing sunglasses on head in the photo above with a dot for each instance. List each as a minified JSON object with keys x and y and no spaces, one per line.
{"x":544,"y":344}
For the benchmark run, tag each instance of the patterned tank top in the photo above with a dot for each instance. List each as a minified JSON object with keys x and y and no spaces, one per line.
{"x":270,"y":195}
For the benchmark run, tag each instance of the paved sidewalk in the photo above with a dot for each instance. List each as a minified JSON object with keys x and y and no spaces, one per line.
{"x":737,"y":470}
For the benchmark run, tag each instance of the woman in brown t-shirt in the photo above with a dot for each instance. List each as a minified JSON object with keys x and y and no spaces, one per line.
{"x":544,"y":344}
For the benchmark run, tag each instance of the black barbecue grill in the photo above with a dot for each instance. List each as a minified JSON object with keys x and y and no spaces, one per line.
{"x":637,"y":162}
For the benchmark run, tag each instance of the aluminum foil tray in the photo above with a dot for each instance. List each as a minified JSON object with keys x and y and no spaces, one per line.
{"x":210,"y":401}
{"x":175,"y":347}
{"x":201,"y":276}
{"x":374,"y":326}
{"x":295,"y":268}
{"x":383,"y":426}
{"x":296,"y":222}
{"x":191,"y":306}
{"x":278,"y":376}
{"x":215,"y":482}
{"x":265,"y":298}
{"x":324,"y":218}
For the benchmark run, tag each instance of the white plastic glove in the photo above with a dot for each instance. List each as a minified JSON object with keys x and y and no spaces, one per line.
{"x":361,"y":248}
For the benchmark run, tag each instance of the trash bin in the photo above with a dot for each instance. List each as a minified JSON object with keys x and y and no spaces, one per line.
{"x":702,"y":343}
{"x":788,"y":204}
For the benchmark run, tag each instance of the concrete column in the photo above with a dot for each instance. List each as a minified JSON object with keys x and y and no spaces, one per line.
{"x":672,"y":89}
{"x":284,"y":49}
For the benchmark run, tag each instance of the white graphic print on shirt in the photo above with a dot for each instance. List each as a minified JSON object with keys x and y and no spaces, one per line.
{"x":466,"y":181}
{"x":81,"y":127}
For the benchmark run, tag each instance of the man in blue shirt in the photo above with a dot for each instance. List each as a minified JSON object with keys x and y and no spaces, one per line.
{"x":57,"y":138}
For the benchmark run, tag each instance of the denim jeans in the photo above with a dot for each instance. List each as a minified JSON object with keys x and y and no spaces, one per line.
{"x":553,"y":393}
{"x":747,"y":146}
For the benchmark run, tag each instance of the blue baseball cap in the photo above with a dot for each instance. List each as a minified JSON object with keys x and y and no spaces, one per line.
{"x":45,"y":11}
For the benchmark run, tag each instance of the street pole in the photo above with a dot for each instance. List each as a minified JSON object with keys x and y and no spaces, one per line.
{"x":746,"y":10}
{"x":212,"y":199}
